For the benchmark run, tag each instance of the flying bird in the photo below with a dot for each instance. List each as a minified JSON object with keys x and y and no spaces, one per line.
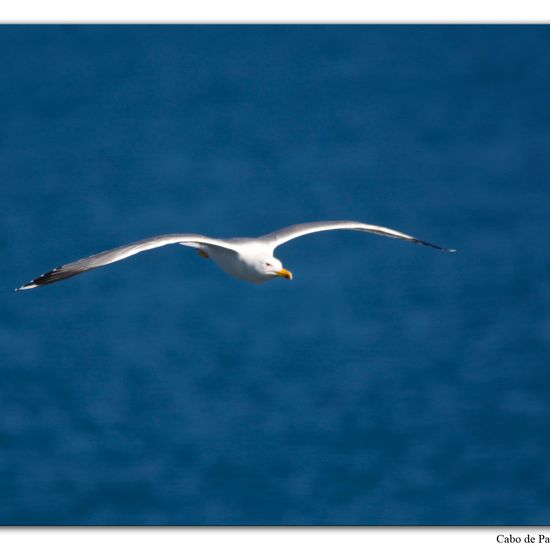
{"x":249,"y":259}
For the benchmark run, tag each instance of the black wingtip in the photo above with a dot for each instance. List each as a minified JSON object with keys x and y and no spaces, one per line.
{"x":28,"y":286}
{"x":45,"y":279}
{"x":436,"y":246}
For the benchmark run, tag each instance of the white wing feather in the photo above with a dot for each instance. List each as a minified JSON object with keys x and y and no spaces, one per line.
{"x":117,"y":254}
{"x":286,"y":234}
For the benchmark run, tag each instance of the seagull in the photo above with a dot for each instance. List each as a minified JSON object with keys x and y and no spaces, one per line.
{"x":248,"y":259}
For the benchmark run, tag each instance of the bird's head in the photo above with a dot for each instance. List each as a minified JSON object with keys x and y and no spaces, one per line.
{"x":273,"y":267}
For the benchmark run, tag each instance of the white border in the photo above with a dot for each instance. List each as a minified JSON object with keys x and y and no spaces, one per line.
{"x":272,"y":538}
{"x":276,"y":11}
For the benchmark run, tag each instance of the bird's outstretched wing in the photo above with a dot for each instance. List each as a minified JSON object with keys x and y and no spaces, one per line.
{"x":281,"y":236}
{"x":116,"y":254}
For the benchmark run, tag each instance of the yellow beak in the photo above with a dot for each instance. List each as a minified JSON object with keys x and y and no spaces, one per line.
{"x":285,"y":273}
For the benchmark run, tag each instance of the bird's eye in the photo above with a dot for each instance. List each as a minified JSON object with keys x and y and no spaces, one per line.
{"x":267,"y":264}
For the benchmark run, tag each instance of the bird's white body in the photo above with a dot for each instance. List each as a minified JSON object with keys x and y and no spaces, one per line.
{"x":244,"y":263}
{"x":250,"y":260}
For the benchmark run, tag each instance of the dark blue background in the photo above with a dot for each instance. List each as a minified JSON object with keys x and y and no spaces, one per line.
{"x":386,"y":384}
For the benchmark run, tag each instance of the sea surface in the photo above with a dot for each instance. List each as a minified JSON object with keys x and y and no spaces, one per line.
{"x":386,"y":384}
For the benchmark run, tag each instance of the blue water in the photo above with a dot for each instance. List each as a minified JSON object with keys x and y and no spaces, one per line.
{"x":386,"y":384}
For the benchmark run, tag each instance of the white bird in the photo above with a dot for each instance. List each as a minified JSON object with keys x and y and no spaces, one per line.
{"x":249,"y":259}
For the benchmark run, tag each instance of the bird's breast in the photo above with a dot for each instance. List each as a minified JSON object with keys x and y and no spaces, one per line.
{"x":240,"y":266}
